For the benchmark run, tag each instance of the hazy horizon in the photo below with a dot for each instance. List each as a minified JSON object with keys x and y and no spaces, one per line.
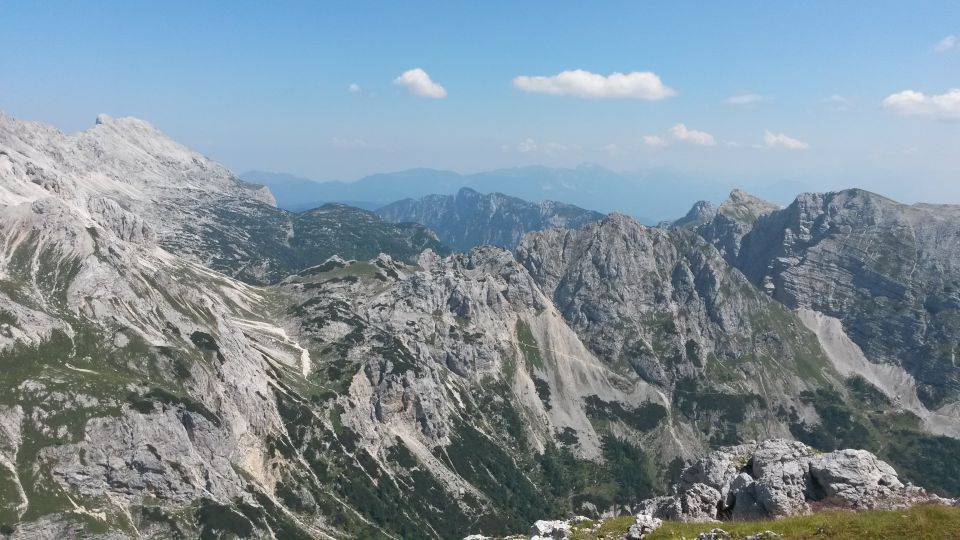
{"x":821,"y":94}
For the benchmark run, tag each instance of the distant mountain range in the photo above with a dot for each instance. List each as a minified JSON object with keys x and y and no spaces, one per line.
{"x":470,"y":219}
{"x":649,"y":196}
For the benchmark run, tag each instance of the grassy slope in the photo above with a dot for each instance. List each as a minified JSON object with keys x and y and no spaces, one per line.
{"x":917,"y":523}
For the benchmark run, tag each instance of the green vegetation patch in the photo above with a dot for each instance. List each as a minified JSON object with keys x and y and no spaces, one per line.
{"x":896,"y":436}
{"x":528,"y":345}
{"x":217,"y":521}
{"x":643,"y":418}
{"x":543,"y":391}
{"x":487,"y":466}
{"x":145,"y":403}
{"x":718,"y":414}
{"x":866,"y":392}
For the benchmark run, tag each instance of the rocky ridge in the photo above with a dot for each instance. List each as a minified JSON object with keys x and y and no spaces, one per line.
{"x":879,"y":273}
{"x":470,"y":219}
{"x":123,"y":172}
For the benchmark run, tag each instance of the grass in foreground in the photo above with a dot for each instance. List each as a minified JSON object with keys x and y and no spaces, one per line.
{"x":925,"y":522}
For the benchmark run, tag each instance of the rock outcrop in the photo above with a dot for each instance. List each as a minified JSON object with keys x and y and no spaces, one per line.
{"x":777,"y":478}
{"x":127,"y":176}
{"x":643,"y":525}
{"x":550,"y":530}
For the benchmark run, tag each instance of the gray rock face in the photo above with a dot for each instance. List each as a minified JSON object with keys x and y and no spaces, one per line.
{"x":886,"y":270}
{"x":701,"y":212}
{"x":855,"y":476}
{"x":470,"y":219}
{"x":726,"y":225}
{"x":700,"y":503}
{"x":781,"y":471}
{"x":633,"y":291}
{"x":778,"y":478}
{"x":129,"y":177}
{"x":664,"y":304}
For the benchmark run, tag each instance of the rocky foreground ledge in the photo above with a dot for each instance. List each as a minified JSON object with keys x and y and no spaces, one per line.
{"x":777,"y":478}
{"x":769,"y":479}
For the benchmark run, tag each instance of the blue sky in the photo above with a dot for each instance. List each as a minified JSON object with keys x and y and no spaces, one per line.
{"x":267,"y":86}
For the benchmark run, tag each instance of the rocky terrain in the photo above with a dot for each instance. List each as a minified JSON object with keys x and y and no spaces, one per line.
{"x":775,"y":478}
{"x":470,"y":219}
{"x":146,"y":391}
{"x":195,"y":207}
{"x":885,"y":271}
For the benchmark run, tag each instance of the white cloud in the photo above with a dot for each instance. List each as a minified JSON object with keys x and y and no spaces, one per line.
{"x":946,"y":44}
{"x":909,"y":102}
{"x":531,"y":146}
{"x":745,"y":99}
{"x":636,"y":84}
{"x":419,"y":84}
{"x":354,"y":88}
{"x":347,"y":143}
{"x":527,"y":146}
{"x":654,"y":140}
{"x":839,"y":103}
{"x":681,"y":133}
{"x":780,"y":140}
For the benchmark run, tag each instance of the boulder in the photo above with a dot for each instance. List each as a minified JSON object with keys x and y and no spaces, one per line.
{"x":742,"y":502}
{"x":720,"y":534}
{"x":547,"y":529}
{"x":668,"y":507}
{"x":856,"y":477}
{"x":781,"y":469}
{"x":700,"y":503}
{"x":714,"y":534}
{"x":717,"y":469}
{"x":777,"y":478}
{"x":643,"y":525}
{"x":765,"y":535}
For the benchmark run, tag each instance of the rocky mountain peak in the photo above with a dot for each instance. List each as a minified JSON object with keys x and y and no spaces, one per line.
{"x":700,"y":212}
{"x":126,"y":158}
{"x":468,"y":193}
{"x":744,"y":207}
